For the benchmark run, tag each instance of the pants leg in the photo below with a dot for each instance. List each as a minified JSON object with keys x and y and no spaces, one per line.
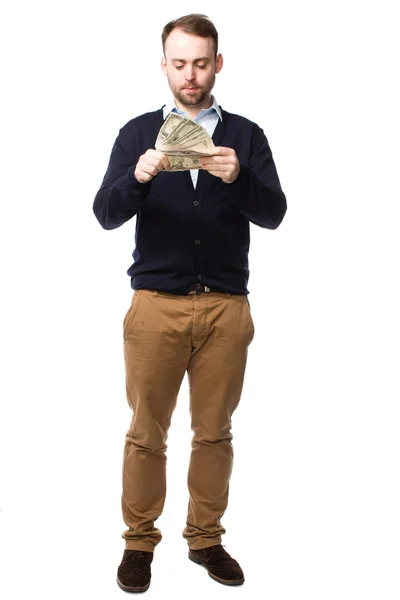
{"x":157,"y":348}
{"x":223,"y":330}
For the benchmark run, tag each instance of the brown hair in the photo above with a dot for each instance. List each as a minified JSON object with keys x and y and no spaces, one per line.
{"x":195,"y":24}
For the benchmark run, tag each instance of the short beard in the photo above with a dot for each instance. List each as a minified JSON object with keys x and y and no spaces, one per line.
{"x":189,"y":100}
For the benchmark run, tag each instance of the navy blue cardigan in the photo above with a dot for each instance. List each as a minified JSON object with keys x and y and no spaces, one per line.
{"x":184,"y":234}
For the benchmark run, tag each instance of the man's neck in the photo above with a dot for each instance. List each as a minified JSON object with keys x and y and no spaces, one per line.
{"x":193,"y":111}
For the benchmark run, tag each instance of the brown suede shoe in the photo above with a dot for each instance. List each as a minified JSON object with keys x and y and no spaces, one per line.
{"x":219,"y":564}
{"x":134,"y":572}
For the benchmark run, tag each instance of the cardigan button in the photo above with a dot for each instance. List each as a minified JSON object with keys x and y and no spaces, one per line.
{"x":196,"y":203}
{"x":197,"y":241}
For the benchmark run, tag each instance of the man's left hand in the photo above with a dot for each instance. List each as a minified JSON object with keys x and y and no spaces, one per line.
{"x":224,"y":164}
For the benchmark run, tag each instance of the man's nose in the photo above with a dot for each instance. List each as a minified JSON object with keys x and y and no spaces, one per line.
{"x":189,"y":74}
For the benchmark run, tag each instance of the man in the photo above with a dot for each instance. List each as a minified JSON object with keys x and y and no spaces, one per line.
{"x":189,"y":310}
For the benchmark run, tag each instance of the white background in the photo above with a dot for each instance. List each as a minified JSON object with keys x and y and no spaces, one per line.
{"x":314,"y":498}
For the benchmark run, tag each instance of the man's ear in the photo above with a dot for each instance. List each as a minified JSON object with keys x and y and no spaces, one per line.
{"x":219,"y":61}
{"x":164,"y":65}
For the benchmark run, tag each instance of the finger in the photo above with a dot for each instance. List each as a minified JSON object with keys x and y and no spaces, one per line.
{"x":165,"y":162}
{"x":156,"y":161}
{"x":222,"y":151}
{"x":217,"y":160}
{"x":215,"y":165}
{"x":160,"y":160}
{"x":150,"y":169}
{"x":216,"y":169}
{"x":216,"y":174}
{"x":142,"y":176}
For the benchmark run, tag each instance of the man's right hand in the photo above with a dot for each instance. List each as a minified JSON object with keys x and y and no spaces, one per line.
{"x":150,"y":164}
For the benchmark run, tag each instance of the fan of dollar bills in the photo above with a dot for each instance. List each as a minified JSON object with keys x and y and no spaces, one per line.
{"x":183,"y":141}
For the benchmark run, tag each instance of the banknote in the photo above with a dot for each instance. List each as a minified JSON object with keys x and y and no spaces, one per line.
{"x":171,"y":123}
{"x":176,"y":129}
{"x":183,"y":141}
{"x":184,"y":162}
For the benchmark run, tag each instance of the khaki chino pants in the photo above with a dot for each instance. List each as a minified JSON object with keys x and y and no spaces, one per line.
{"x":206,"y":334}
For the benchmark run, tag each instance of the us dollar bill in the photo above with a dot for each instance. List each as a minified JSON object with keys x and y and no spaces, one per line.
{"x":171,"y":124}
{"x":183,"y":141}
{"x":184,"y":162}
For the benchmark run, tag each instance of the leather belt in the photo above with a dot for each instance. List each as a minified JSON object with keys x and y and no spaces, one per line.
{"x":200,"y":288}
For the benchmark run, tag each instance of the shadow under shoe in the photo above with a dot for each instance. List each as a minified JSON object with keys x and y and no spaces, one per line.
{"x":134,"y":572}
{"x":219,"y":564}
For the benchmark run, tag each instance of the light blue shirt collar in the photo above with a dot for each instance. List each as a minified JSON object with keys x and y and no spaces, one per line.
{"x":171,"y":106}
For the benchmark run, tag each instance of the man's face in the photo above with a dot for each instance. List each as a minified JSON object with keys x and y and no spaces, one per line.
{"x":190,"y":67}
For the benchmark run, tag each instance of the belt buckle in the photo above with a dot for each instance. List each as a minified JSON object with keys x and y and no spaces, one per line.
{"x":206,"y":289}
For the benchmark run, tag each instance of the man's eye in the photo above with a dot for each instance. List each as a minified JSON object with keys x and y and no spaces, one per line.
{"x":179,"y":67}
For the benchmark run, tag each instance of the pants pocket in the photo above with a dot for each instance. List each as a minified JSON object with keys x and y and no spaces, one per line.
{"x":249,"y":307}
{"x":128,"y":319}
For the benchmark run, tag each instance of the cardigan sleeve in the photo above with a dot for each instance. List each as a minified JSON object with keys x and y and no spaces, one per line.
{"x":257,"y":188}
{"x":120,"y":195}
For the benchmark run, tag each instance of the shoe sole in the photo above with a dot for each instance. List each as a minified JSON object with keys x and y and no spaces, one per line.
{"x":198,"y":561}
{"x":130,"y":588}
